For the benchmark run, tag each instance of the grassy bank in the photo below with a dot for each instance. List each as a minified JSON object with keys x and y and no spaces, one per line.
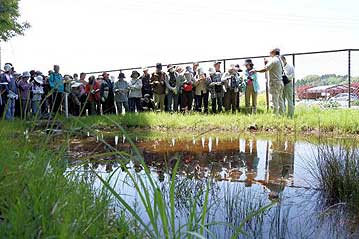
{"x":307,"y":120}
{"x":37,"y":200}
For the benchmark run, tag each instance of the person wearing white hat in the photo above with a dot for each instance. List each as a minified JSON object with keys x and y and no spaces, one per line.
{"x":135,"y":94}
{"x":201,"y":91}
{"x":37,"y":92}
{"x":24,"y":90}
{"x":231,"y":81}
{"x":8,"y":91}
{"x":276,"y":85}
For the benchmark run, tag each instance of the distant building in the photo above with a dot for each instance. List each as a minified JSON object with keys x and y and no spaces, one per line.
{"x":325,"y":92}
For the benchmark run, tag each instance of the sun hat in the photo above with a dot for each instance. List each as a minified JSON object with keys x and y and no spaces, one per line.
{"x":145,"y":68}
{"x":121,"y":76}
{"x":26,"y":74}
{"x":39,"y":79}
{"x":248,"y":62}
{"x":7,"y":67}
{"x":170,"y":66}
{"x":76,"y":84}
{"x":211,"y":70}
{"x":135,"y":74}
{"x":159,"y":66}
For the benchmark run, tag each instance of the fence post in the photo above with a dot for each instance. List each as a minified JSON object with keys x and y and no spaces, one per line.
{"x":294,"y":91}
{"x":67,"y":105}
{"x":349,"y":78}
{"x":224,"y":65}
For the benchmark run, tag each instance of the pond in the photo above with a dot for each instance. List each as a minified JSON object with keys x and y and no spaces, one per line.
{"x":244,"y":174}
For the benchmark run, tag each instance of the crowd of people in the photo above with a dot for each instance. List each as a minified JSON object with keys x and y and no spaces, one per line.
{"x":174,"y":90}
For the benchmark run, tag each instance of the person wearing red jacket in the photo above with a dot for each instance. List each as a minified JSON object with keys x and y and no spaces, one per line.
{"x":92,"y":90}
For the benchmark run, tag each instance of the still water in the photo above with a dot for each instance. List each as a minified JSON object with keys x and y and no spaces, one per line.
{"x":245,"y":173}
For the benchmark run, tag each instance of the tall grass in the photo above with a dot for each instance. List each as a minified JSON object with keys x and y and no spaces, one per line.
{"x":336,"y":170}
{"x":38,"y":200}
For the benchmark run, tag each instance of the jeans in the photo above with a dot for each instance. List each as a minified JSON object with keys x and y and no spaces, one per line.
{"x":121,"y":106}
{"x":187,"y":100}
{"x":230,"y":100}
{"x":202,"y":99}
{"x":10,"y":109}
{"x":217,"y":104}
{"x":276,"y":90}
{"x":160,"y":101}
{"x":36,"y":108}
{"x":133,"y":104}
{"x":172,"y":99}
{"x":250,"y":93}
{"x":288,"y":99}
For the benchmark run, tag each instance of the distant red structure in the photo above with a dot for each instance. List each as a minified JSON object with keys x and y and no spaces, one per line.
{"x":323,"y":92}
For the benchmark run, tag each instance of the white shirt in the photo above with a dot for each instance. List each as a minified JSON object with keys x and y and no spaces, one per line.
{"x":289,"y":71}
{"x":275,"y":69}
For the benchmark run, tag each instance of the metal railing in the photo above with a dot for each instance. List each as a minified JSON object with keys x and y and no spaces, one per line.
{"x":225,"y":60}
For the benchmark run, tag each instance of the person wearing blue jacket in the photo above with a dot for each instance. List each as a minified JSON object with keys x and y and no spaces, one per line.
{"x":8,"y":91}
{"x":250,"y":87}
{"x":57,"y":87}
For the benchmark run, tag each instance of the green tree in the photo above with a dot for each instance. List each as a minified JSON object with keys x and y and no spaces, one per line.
{"x":10,"y":25}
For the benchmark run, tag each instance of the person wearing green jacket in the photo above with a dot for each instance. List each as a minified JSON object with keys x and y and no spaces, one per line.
{"x":250,"y":87}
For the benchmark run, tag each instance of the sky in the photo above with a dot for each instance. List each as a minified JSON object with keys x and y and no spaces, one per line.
{"x":92,"y":35}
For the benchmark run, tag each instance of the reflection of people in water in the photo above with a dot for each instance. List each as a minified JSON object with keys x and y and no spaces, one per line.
{"x":281,"y":166}
{"x":251,"y":160}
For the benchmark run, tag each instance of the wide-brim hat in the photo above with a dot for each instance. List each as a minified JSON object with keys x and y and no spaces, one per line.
{"x":170,"y":66}
{"x":248,"y":62}
{"x":76,"y":84}
{"x":238,"y":68}
{"x":145,"y":68}
{"x":159,"y":66}
{"x":121,"y":76}
{"x":7,"y":67}
{"x":26,"y":74}
{"x":135,"y":74}
{"x":39,"y":80}
{"x":211,"y":71}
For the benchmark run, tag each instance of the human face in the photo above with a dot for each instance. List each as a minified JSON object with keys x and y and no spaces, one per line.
{"x":249,"y":67}
{"x":217,"y":67}
{"x":57,"y":69}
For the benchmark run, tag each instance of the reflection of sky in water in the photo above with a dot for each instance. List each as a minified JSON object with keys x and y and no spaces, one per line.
{"x":281,"y":166}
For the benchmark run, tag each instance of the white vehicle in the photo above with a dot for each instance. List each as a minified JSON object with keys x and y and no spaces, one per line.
{"x":343,"y":98}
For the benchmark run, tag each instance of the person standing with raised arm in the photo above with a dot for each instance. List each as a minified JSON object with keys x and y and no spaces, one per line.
{"x":276,"y":85}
